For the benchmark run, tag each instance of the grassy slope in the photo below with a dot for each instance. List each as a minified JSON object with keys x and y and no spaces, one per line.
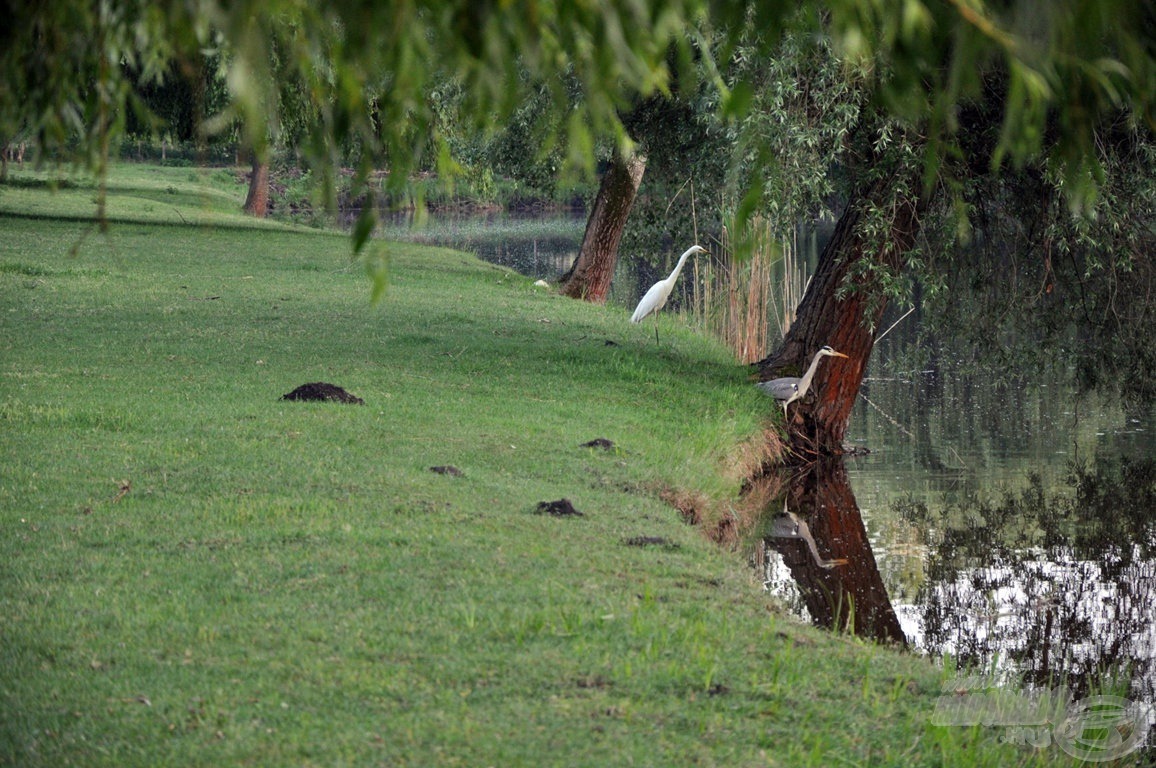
{"x":289,"y":584}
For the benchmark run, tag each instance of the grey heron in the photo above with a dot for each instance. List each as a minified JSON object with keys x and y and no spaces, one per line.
{"x":788,"y":389}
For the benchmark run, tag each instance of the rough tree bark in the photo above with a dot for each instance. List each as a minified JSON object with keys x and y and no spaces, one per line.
{"x":257,"y":201}
{"x":845,"y":322}
{"x":590,"y":275}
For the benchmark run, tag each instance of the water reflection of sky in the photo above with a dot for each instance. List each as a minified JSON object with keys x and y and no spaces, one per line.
{"x":968,"y":499}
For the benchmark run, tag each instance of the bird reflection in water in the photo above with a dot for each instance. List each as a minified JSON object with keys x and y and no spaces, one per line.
{"x":788,"y":525}
{"x":820,"y":537}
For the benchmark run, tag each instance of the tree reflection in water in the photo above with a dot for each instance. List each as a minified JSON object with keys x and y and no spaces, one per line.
{"x":820,"y":538}
{"x":1049,"y":587}
{"x":1057,"y":585}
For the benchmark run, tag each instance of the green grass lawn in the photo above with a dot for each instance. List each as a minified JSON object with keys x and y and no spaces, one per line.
{"x":194,"y":572}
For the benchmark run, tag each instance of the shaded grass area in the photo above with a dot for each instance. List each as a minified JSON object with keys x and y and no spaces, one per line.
{"x":193,"y":572}
{"x":135,"y":193}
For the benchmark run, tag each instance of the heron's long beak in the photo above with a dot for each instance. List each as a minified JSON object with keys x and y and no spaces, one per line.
{"x":839,"y":354}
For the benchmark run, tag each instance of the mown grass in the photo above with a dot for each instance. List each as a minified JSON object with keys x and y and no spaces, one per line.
{"x":193,"y":572}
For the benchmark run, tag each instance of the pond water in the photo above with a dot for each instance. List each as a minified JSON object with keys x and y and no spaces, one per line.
{"x":535,"y":244}
{"x":999,"y":523}
{"x":1010,"y":522}
{"x":540,"y":246}
{"x":1005,"y":527}
{"x":1013,"y":524}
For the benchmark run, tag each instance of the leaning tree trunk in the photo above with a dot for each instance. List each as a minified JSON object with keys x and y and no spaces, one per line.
{"x":257,"y":201}
{"x":590,"y":275}
{"x":843,"y":320}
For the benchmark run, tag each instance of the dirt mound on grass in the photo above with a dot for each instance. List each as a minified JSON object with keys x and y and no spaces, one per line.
{"x":600,"y":442}
{"x":559,"y":508}
{"x":321,"y":391}
{"x":650,"y":541}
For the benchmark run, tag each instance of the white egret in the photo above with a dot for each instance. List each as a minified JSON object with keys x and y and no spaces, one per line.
{"x":656,"y":297}
{"x":791,"y":388}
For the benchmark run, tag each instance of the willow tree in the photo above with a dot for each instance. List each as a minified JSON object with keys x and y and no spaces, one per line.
{"x":368,"y":70}
{"x":1034,"y":87}
{"x":589,"y":276}
{"x":844,"y":302}
{"x":670,"y":134}
{"x":293,"y":86}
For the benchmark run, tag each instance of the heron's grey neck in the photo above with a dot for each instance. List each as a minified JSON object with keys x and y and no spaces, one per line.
{"x":805,"y":382}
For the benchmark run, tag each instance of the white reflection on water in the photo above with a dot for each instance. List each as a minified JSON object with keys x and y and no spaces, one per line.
{"x":970,"y":507}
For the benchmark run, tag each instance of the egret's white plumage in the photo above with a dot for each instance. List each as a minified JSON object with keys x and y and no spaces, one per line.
{"x":788,"y":389}
{"x":656,"y":297}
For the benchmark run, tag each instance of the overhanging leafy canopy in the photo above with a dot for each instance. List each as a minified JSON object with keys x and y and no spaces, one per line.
{"x":368,"y":68}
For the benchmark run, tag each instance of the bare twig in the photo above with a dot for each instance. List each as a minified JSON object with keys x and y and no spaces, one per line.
{"x":689,"y":179}
{"x":125,"y":487}
{"x":886,"y":415}
{"x":897,"y":322}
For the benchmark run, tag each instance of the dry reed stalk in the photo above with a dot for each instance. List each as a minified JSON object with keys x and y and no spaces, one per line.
{"x":734,"y":300}
{"x":748,"y":288}
{"x":791,"y":288}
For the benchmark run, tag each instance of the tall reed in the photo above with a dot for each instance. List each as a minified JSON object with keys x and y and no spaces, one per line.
{"x":736,"y":299}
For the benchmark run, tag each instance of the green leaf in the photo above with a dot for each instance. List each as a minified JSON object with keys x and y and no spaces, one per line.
{"x":748,"y":206}
{"x":737,"y":102}
{"x":363,"y":228}
{"x":377,"y":269}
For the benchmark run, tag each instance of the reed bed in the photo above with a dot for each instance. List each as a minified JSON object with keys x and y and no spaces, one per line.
{"x":747,"y":296}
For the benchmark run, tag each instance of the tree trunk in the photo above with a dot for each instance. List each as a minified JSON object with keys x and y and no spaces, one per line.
{"x":837,"y":574}
{"x":257,"y":201}
{"x":590,"y":275}
{"x":847,"y":323}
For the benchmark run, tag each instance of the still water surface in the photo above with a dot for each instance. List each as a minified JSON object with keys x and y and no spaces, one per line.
{"x":1002,"y":524}
{"x":1012,"y":521}
{"x":1013,"y":525}
{"x":538,"y":245}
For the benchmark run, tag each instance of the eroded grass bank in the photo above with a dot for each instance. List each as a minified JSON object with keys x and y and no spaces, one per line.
{"x":193,"y":572}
